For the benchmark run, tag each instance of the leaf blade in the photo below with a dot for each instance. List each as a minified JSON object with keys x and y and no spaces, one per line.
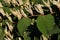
{"x":23,"y":24}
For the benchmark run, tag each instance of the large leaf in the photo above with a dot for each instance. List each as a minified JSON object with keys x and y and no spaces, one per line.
{"x":45,"y":24}
{"x":23,"y":24}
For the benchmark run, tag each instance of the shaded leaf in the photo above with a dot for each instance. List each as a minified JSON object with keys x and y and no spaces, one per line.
{"x":55,"y":30}
{"x":3,"y":23}
{"x":58,"y":36}
{"x":39,"y":1}
{"x":1,"y":0}
{"x":36,"y":38}
{"x":27,"y":13}
{"x":26,"y":36}
{"x":6,"y":4}
{"x":1,"y":33}
{"x":6,"y":9}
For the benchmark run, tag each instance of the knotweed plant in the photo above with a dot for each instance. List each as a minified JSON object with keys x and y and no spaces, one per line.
{"x":29,"y":19}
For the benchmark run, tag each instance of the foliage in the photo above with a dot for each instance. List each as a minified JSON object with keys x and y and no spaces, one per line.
{"x":17,"y":15}
{"x":23,"y":24}
{"x":45,"y":24}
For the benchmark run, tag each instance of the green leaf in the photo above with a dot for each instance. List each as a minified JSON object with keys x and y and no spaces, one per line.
{"x":23,"y":24}
{"x":58,"y":36}
{"x":55,"y":30}
{"x":3,"y":23}
{"x":26,"y":36}
{"x":17,"y":8}
{"x":6,"y":4}
{"x":37,"y":1}
{"x":27,"y":13}
{"x":36,"y":38}
{"x":50,"y":21}
{"x":1,"y":33}
{"x":45,"y":24}
{"x":6,"y":9}
{"x":1,"y":0}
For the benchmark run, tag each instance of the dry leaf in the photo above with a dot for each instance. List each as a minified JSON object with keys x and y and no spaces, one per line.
{"x":2,"y":12}
{"x":7,"y":15}
{"x":16,"y":13}
{"x":10,"y":26}
{"x":23,"y":14}
{"x":20,"y":2}
{"x":29,"y":10}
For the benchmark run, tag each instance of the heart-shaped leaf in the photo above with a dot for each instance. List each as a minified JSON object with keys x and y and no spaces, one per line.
{"x":45,"y":24}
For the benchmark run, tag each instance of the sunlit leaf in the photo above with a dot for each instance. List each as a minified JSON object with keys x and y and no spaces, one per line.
{"x":45,"y":24}
{"x":23,"y":24}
